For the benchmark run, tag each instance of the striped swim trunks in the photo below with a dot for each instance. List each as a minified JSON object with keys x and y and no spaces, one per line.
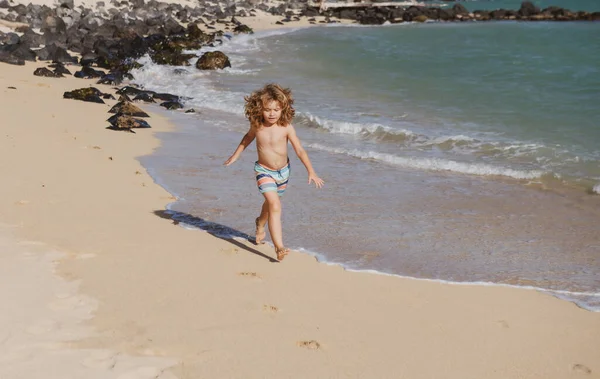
{"x":272,"y":180}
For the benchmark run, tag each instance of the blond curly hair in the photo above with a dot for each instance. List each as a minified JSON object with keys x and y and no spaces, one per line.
{"x":257,"y":100}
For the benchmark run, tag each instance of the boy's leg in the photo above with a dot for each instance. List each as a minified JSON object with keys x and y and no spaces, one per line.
{"x":261,"y":221}
{"x":274,"y":206}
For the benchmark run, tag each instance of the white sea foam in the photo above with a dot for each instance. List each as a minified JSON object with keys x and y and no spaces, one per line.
{"x":239,"y":71}
{"x":195,"y":85}
{"x":459,"y":143}
{"x":245,"y":43}
{"x":596,"y":189}
{"x":460,"y":137}
{"x":434,"y":164}
{"x":341,"y":127}
{"x":465,"y":142}
{"x":522,"y":147}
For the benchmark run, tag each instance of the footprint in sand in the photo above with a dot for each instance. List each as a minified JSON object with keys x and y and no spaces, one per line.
{"x":229,"y":251}
{"x":311,"y":345}
{"x":503,"y":323}
{"x":369,"y":256}
{"x":582,"y":369}
{"x":270,"y":308}
{"x":101,"y":359}
{"x":249,"y":274}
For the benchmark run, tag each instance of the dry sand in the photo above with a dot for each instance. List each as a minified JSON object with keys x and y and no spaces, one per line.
{"x":267,"y":21}
{"x":42,"y":313}
{"x":167,"y":301}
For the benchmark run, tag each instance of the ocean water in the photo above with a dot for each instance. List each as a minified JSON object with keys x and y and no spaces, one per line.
{"x":466,"y":153}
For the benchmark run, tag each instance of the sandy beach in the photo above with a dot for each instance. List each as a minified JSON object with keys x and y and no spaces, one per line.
{"x":100,"y":283}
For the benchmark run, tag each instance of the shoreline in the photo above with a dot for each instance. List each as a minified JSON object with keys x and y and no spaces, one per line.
{"x":221,"y":307}
{"x":561,"y":294}
{"x":179,"y":218}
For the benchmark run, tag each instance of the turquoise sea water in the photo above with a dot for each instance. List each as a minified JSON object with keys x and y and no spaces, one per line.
{"x":459,"y":152}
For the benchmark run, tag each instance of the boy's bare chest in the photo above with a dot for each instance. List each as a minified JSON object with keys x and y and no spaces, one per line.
{"x":272,"y":136}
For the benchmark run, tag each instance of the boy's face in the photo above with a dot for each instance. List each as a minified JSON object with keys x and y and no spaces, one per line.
{"x":271,"y":112}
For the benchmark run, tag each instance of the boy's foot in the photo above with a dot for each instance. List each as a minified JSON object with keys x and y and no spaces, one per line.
{"x":260,"y":232}
{"x":281,"y":252}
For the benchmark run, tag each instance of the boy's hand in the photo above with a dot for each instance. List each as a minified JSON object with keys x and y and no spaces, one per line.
{"x":318,"y":181}
{"x":230,"y":161}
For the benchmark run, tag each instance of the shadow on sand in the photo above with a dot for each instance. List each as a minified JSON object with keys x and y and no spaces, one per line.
{"x":218,"y":230}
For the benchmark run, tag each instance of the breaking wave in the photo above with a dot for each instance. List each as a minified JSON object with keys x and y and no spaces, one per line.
{"x":434,"y":164}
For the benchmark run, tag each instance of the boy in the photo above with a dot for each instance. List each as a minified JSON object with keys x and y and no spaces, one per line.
{"x":270,"y":113}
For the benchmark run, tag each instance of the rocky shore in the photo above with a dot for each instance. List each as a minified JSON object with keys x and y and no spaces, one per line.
{"x":372,"y":15}
{"x":111,"y":36}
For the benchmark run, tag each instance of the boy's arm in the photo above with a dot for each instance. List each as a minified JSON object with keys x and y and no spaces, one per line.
{"x":246,"y":140}
{"x":301,"y":153}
